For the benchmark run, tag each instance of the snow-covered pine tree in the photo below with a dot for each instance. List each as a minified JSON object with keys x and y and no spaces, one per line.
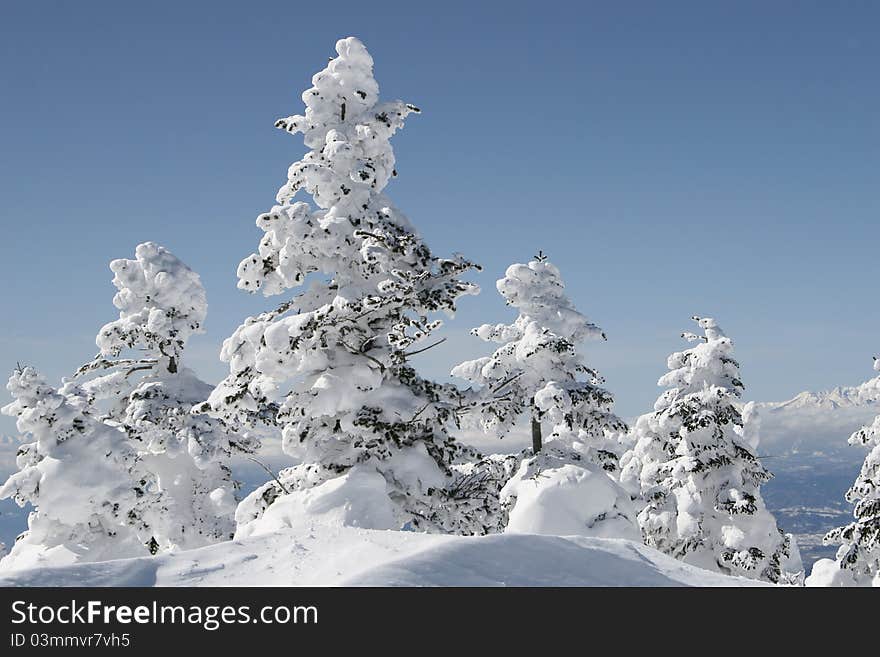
{"x":331,"y":366}
{"x":76,"y":475}
{"x":859,"y":551}
{"x":694,"y":467}
{"x":539,"y":371}
{"x":183,"y":455}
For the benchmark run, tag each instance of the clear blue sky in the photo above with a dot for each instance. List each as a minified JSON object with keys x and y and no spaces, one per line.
{"x":672,"y":158}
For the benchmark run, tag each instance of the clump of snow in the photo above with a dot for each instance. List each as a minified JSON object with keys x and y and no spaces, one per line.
{"x":356,"y":499}
{"x":564,"y":499}
{"x":827,"y":572}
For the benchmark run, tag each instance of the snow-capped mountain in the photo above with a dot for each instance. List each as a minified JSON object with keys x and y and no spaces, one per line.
{"x":866,"y":394}
{"x":819,"y":422}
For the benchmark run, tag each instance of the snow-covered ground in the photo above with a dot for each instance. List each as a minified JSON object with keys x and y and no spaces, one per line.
{"x":341,"y":533}
{"x":346,"y":556}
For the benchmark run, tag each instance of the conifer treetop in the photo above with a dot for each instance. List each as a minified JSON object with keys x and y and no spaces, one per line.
{"x":356,"y":234}
{"x":161,"y":304}
{"x":709,"y":363}
{"x":536,"y":290}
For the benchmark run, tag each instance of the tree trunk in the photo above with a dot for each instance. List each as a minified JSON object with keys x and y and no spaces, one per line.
{"x":536,"y":436}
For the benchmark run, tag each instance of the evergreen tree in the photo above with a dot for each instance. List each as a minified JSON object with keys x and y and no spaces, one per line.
{"x":77,"y":476}
{"x":331,"y":366}
{"x":859,"y":551}
{"x":693,"y":464}
{"x":539,"y":371}
{"x":150,"y":396}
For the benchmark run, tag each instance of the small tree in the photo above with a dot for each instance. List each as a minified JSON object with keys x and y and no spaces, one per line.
{"x":331,"y":366}
{"x":859,"y":551}
{"x":694,"y":468}
{"x":539,"y":371}
{"x":77,"y":476}
{"x":161,"y":304}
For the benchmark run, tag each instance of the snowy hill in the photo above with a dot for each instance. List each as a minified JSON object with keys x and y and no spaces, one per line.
{"x":346,"y":556}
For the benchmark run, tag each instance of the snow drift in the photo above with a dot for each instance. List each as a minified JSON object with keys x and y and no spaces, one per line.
{"x":569,"y":500}
{"x":348,"y":556}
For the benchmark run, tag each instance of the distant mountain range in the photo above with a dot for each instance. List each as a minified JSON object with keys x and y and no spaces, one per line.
{"x":866,"y":394}
{"x":819,"y":422}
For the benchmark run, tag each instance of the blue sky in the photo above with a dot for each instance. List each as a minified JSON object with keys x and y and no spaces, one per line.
{"x":672,"y":158}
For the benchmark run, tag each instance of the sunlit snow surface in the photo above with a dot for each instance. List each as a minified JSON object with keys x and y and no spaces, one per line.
{"x":344,"y":556}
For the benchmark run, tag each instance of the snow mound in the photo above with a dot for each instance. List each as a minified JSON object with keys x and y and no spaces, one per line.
{"x":347,"y":556}
{"x":568,"y":500}
{"x":827,"y":572}
{"x":530,"y":560}
{"x":355,"y":499}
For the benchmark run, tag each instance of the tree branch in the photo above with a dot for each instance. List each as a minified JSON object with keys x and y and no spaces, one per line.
{"x":269,"y":470}
{"x":136,"y":369}
{"x":418,"y":351}
{"x":105,"y":364}
{"x":358,"y":352}
{"x":507,"y":381}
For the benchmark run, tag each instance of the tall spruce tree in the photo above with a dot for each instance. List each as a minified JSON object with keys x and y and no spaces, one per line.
{"x":693,"y":466}
{"x":331,"y":365}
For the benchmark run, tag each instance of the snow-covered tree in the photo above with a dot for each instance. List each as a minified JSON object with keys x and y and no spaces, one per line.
{"x":148,"y":392}
{"x":859,"y":551}
{"x":331,"y":366}
{"x":77,"y":476}
{"x":539,"y":371}
{"x":694,"y":467}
